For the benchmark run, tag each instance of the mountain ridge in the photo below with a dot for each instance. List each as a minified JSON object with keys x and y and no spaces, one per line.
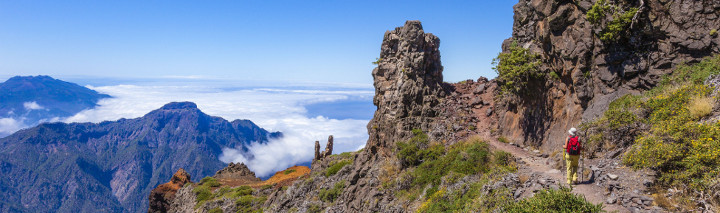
{"x":112,"y":165}
{"x":33,"y":99}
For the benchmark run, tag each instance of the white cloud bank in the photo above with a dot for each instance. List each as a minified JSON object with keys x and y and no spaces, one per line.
{"x":271,"y":108}
{"x":32,"y":106}
{"x":9,"y":126}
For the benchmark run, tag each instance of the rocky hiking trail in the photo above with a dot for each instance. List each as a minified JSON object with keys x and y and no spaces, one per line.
{"x":537,"y":165}
{"x":625,"y":192}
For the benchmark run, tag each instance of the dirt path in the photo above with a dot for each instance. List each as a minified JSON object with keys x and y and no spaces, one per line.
{"x":592,"y":192}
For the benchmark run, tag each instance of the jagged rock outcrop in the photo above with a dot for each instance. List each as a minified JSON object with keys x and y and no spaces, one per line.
{"x":592,"y":71}
{"x":409,"y":90}
{"x":408,"y":86}
{"x":236,"y":171}
{"x":162,"y":196}
{"x":328,"y":149}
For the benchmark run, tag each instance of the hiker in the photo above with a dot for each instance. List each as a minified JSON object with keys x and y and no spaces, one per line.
{"x":572,"y":149}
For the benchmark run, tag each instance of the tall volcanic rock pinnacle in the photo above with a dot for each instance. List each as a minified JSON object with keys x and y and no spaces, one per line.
{"x":408,"y":85}
{"x":596,"y":65}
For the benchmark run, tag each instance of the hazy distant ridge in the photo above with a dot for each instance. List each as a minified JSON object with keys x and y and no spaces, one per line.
{"x":28,"y":100}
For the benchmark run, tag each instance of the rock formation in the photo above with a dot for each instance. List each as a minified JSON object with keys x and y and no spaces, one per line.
{"x":236,"y":171}
{"x":328,"y":149}
{"x":592,"y":71}
{"x":410,"y":94}
{"x":408,"y":86}
{"x":164,"y":194}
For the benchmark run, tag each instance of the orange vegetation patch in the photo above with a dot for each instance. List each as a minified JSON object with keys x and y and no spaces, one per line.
{"x":285,"y":177}
{"x":280,"y":179}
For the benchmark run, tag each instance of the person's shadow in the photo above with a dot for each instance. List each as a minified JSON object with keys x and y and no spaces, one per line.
{"x":585,"y":180}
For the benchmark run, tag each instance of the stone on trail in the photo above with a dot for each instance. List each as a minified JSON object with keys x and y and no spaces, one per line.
{"x":612,"y":176}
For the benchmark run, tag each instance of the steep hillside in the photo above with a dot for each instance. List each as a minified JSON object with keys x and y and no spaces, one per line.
{"x":112,"y":166}
{"x":590,"y":52}
{"x":672,"y":131}
{"x":429,"y":150}
{"x":31,"y":99}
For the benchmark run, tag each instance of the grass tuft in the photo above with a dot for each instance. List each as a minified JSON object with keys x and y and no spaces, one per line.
{"x":700,"y":106}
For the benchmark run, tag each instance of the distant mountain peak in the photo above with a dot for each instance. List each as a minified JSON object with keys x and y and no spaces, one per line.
{"x":180,"y":105}
{"x":30,"y":100}
{"x":135,"y":154}
{"x":24,"y":78}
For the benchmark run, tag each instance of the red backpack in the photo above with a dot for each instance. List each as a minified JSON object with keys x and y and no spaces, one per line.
{"x":573,"y":146}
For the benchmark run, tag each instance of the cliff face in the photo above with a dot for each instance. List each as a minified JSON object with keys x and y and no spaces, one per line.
{"x":594,"y":70}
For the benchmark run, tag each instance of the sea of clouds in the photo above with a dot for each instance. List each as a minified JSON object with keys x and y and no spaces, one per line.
{"x":283,"y":109}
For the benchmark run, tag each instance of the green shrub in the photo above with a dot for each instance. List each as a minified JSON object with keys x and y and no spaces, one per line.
{"x":377,"y":61}
{"x":314,"y":208}
{"x":264,"y":187}
{"x":462,"y":158}
{"x":713,"y":32}
{"x":346,"y":155}
{"x":692,"y":74}
{"x":332,"y":170}
{"x":618,"y":26}
{"x":202,"y":193}
{"x":289,"y":171}
{"x":209,"y":181}
{"x":468,"y":199}
{"x":554,"y":201}
{"x":503,"y":158}
{"x":553,"y":75}
{"x":417,"y":149}
{"x":671,"y":139}
{"x":250,"y":204}
{"x":502,"y":139}
{"x":597,"y":12}
{"x":329,"y":195}
{"x":621,"y":112}
{"x":245,"y":201}
{"x":222,"y":191}
{"x":516,"y":68}
{"x":215,"y":210}
{"x":241,"y":191}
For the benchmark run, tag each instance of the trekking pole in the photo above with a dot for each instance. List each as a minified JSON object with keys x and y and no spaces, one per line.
{"x":582,"y":172}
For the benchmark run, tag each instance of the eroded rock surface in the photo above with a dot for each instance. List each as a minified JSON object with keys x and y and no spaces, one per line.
{"x":162,"y":196}
{"x":408,"y":86}
{"x":328,"y":149}
{"x":592,"y":72}
{"x":236,"y":171}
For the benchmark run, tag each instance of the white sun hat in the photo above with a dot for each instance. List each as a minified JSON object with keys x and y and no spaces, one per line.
{"x":572,"y":131}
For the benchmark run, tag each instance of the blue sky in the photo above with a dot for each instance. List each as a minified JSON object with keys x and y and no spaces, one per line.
{"x":304,"y":41}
